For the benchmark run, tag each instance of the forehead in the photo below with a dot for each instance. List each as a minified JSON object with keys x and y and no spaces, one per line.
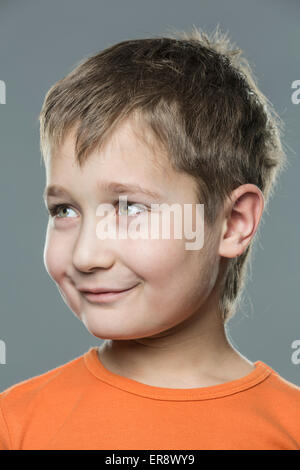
{"x":129,"y":143}
{"x":130,"y":155}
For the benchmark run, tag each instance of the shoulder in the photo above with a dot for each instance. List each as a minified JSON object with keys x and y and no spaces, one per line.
{"x":283,"y":388}
{"x":40,"y":401}
{"x":26,"y":391}
{"x":280,"y":402}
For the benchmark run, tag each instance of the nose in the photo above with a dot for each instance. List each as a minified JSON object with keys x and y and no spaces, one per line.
{"x":90,"y":252}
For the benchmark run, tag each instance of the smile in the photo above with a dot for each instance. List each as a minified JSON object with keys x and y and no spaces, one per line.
{"x":106,"y":297}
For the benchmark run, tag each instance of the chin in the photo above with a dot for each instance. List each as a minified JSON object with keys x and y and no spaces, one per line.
{"x":104,"y":332}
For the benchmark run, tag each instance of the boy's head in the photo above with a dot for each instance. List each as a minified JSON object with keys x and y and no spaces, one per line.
{"x":182,"y":116}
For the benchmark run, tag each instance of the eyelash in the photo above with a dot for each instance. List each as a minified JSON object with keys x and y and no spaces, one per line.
{"x":54,"y":209}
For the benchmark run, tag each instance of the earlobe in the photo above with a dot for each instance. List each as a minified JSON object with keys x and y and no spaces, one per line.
{"x":231,"y":246}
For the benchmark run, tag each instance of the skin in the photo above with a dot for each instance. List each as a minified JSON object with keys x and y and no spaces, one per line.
{"x":167,"y":332}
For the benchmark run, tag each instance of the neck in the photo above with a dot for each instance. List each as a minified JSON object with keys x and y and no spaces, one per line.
{"x":194,"y":353}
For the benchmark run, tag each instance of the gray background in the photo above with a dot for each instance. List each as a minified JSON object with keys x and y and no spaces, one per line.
{"x":40,"y":41}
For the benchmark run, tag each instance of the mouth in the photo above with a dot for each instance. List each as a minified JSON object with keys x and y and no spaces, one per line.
{"x":105,"y":297}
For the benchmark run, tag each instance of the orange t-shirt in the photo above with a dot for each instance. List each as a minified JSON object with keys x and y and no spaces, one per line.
{"x":81,"y":405}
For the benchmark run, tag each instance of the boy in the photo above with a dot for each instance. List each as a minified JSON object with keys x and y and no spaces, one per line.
{"x":160,"y":121}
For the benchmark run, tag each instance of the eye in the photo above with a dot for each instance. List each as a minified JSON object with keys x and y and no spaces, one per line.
{"x":123,"y":205}
{"x":54,"y":210}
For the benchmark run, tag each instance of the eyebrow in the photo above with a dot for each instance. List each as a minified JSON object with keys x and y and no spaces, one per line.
{"x":109,"y":186}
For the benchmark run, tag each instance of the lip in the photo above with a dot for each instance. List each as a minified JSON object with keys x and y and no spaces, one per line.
{"x":100,"y":290}
{"x":105,"y":297}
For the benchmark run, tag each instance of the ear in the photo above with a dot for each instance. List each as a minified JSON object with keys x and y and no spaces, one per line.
{"x":242,"y":216}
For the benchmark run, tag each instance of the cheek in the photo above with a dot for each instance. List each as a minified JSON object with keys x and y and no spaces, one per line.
{"x":55,"y":256}
{"x":176,"y":281}
{"x":159,"y":261}
{"x":177,"y":276}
